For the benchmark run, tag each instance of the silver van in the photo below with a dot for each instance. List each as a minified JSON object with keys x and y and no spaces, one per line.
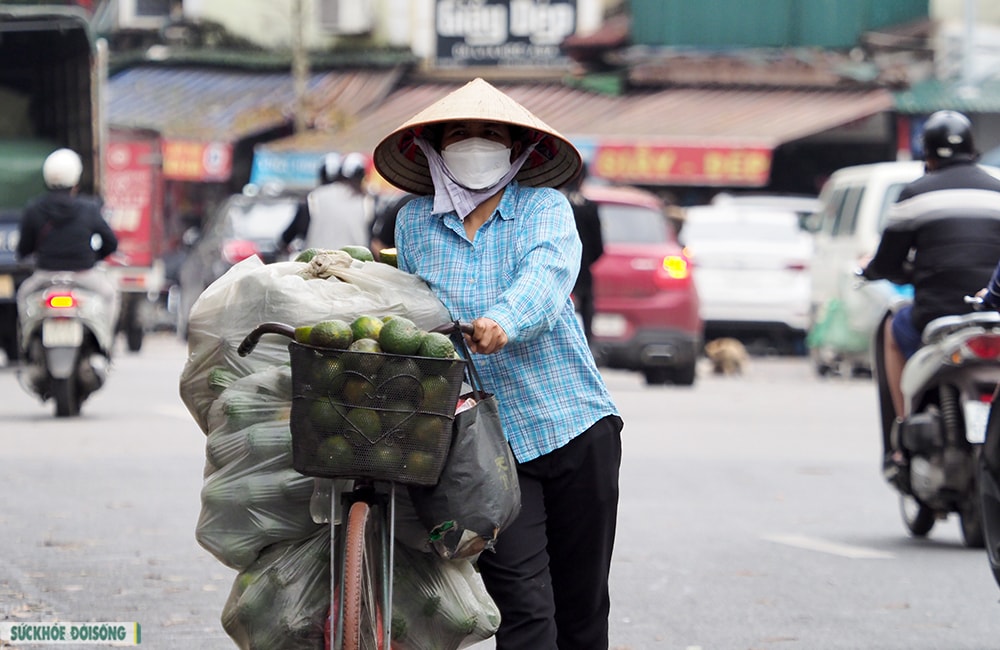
{"x":854,"y":203}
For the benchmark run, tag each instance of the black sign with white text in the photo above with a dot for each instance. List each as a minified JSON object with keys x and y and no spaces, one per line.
{"x":502,"y":32}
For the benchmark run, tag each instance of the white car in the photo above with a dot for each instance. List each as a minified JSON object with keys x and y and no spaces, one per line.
{"x":803,"y":205}
{"x":751,"y":269}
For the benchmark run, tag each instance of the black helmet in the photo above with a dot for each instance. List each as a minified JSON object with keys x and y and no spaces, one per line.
{"x":948,"y":135}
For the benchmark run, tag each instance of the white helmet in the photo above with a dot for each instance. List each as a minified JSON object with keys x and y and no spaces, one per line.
{"x":62,"y":169}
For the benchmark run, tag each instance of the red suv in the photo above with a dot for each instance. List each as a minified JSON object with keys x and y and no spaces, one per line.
{"x":646,"y":305}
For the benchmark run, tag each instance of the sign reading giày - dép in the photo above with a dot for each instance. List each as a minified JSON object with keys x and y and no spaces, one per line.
{"x":502,"y":32}
{"x":57,"y":632}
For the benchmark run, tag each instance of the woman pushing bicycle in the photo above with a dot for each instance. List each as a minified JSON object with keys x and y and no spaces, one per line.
{"x":498,"y":245}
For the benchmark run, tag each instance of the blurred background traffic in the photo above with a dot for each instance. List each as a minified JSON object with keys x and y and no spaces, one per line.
{"x":766,"y":139}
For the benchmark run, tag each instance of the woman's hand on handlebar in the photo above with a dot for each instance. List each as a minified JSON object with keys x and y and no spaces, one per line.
{"x":487,"y":336}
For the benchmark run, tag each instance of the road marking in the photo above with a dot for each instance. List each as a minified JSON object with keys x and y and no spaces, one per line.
{"x":833,"y":548}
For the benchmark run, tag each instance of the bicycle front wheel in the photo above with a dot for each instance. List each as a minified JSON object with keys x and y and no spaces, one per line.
{"x":364,"y":570}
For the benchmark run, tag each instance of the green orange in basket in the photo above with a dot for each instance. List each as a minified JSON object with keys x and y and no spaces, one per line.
{"x":303,"y":333}
{"x":387,"y":458}
{"x":420,"y":463}
{"x":395,"y":414}
{"x":326,"y":373}
{"x":336,"y":452}
{"x":367,"y":364}
{"x":366,"y":327}
{"x":428,"y":430}
{"x":354,"y":390}
{"x":436,"y":345}
{"x":365,"y":345}
{"x":436,"y":391}
{"x":366,"y":422}
{"x":333,"y":333}
{"x":326,"y":417}
{"x":401,"y":336}
{"x":402,"y":372}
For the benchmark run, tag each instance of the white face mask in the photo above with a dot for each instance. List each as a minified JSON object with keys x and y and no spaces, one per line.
{"x":477,"y":163}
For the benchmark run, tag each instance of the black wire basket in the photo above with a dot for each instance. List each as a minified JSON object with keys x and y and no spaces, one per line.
{"x":372,"y":415}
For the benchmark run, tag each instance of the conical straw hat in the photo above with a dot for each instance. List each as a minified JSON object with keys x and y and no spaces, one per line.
{"x":401,"y":162}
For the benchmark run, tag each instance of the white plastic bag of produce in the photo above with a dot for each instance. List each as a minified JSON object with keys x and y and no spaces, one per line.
{"x":439,"y":604}
{"x":280,"y":601}
{"x":251,"y":497}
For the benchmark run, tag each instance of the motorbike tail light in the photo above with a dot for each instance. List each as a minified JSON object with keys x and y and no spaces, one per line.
{"x":60,"y":301}
{"x":672,"y":270}
{"x":986,"y":346}
{"x":237,"y":250}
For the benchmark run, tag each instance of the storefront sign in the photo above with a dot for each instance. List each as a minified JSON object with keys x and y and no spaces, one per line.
{"x":502,"y":32}
{"x":681,"y":164}
{"x":129,"y":186}
{"x":207,"y":162}
{"x":292,"y":169}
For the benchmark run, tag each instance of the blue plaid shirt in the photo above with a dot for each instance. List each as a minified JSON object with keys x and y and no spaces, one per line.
{"x":519,"y":271}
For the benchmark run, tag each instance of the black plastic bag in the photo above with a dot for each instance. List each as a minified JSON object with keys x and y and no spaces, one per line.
{"x":478,"y":494}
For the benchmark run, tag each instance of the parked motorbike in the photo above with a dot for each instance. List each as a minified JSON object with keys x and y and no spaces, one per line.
{"x":948,"y":385}
{"x":67,"y":333}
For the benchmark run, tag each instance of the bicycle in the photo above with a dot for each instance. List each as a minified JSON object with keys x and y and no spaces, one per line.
{"x":335,"y":436}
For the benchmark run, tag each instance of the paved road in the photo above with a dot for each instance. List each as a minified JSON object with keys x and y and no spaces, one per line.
{"x":752,"y":517}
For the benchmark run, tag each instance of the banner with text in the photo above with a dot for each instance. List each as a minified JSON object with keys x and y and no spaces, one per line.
{"x":503,"y":32}
{"x":206,"y":162}
{"x":646,"y":163}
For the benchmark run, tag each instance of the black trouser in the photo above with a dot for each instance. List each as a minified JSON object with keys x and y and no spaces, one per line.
{"x":549,"y":574}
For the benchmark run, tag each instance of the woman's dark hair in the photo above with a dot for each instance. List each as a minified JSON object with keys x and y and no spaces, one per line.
{"x":433,"y":133}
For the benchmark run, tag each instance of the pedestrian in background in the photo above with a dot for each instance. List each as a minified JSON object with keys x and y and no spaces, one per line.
{"x":588,"y":226}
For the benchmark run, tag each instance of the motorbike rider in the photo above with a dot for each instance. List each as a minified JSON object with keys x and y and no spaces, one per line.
{"x":943,"y":237}
{"x":66,"y":232}
{"x":337,"y":213}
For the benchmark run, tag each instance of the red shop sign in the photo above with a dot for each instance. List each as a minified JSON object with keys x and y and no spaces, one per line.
{"x":186,"y":160}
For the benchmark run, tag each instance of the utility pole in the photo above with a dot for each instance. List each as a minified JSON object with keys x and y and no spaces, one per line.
{"x":300,"y":67}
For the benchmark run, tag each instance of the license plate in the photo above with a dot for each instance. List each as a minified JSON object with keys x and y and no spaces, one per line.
{"x":61,"y":332}
{"x":976,"y":415}
{"x":6,"y":286}
{"x":610,"y":325}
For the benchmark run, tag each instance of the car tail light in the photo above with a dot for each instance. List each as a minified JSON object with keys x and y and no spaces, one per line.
{"x":797,"y":266}
{"x":60,"y":301}
{"x":237,"y":250}
{"x":673,"y":270}
{"x":986,"y":346}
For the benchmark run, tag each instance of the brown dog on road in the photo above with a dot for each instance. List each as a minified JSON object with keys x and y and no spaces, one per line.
{"x":728,"y":356}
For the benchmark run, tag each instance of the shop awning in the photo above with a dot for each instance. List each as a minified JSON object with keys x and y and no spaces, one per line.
{"x":934,"y":94}
{"x":677,"y":136}
{"x":200,"y":113}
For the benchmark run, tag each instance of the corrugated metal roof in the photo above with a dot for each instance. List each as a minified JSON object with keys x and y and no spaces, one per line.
{"x":935,"y":94}
{"x":226,"y":105}
{"x":729,"y":116}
